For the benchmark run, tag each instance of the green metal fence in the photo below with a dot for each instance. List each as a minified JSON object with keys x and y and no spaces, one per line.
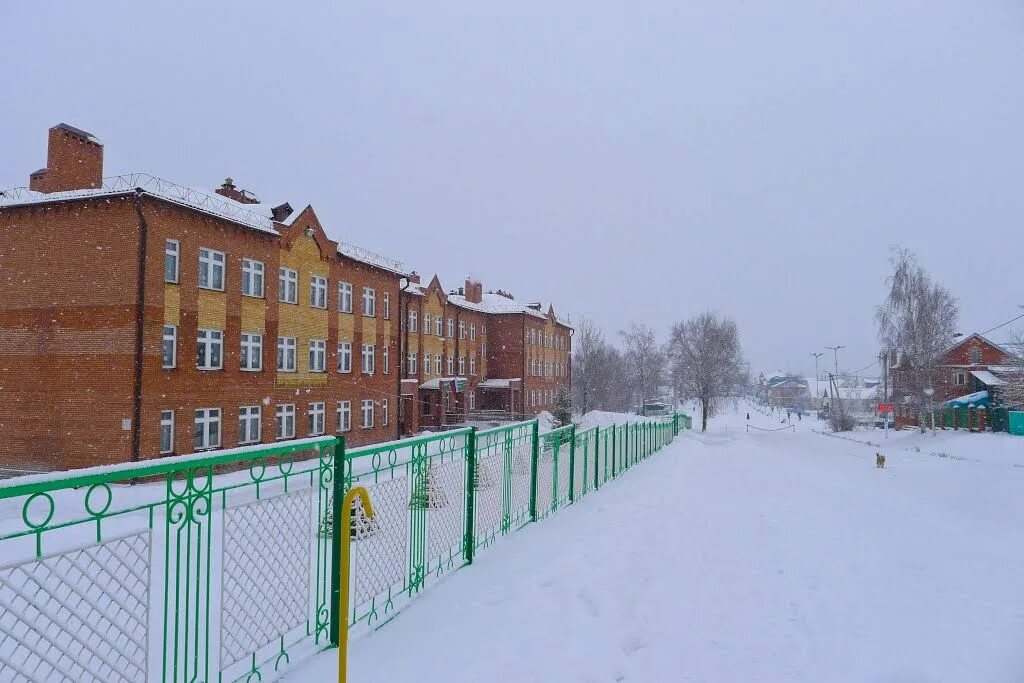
{"x":224,"y":566}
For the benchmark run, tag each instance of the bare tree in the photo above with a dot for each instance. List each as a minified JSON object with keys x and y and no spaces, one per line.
{"x":644,"y":359}
{"x":707,"y":361}
{"x":917,"y":320}
{"x":1013,"y":392}
{"x":589,"y":372}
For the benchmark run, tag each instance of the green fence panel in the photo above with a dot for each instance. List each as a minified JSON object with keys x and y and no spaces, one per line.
{"x":1015,"y":420}
{"x":504,"y":470}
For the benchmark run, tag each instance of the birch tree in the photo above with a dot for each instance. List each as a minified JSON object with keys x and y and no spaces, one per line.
{"x":644,"y":360}
{"x":1013,"y":392}
{"x":707,"y":361}
{"x":917,"y":320}
{"x":589,"y":372}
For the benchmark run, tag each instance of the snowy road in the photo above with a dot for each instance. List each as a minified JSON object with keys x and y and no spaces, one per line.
{"x":743,"y":557}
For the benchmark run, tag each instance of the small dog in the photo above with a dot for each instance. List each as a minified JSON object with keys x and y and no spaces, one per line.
{"x":879,"y":461}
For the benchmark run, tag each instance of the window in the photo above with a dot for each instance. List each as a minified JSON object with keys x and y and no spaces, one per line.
{"x":975,"y":356}
{"x":317,"y":291}
{"x":483,"y":329}
{"x":316,"y":419}
{"x":411,"y":364}
{"x":451,"y":328}
{"x":317,"y":355}
{"x":437,"y":364}
{"x":960,"y":379}
{"x":384,"y":412}
{"x":170,"y":346}
{"x":166,"y":431}
{"x":472,"y":400}
{"x":345,"y":297}
{"x":451,"y":365}
{"x":483,"y":351}
{"x":368,"y":359}
{"x":345,"y":357}
{"x":426,"y":322}
{"x":249,"y":424}
{"x":387,"y":306}
{"x":171,"y":251}
{"x":211,"y":269}
{"x":462,"y":366}
{"x":413,"y":320}
{"x":472,"y":365}
{"x":385,"y":359}
{"x":369,"y":301}
{"x":284,"y":422}
{"x":366,"y":413}
{"x":207,"y":428}
{"x":439,"y":326}
{"x":426,"y":364}
{"x":344,"y":416}
{"x":210,"y":350}
{"x":462,"y":329}
{"x":472,"y":331}
{"x":286,"y":354}
{"x":252,"y":351}
{"x":252,"y":278}
{"x":288,"y":286}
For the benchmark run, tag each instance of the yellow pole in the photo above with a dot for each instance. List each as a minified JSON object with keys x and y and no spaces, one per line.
{"x":344,"y":528}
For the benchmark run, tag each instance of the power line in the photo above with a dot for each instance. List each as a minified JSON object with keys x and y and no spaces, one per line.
{"x":1002,"y":324}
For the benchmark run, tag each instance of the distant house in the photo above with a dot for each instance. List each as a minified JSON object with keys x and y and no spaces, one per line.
{"x":974,"y":364}
{"x":785,"y":390}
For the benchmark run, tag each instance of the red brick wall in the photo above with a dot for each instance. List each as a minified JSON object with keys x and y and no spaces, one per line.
{"x":72,"y":163}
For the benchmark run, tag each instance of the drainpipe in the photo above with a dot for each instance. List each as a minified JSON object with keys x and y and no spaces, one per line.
{"x":140,"y":328}
{"x":403,"y":346}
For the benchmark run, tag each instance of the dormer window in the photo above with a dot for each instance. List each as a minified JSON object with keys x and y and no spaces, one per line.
{"x":975,"y":355}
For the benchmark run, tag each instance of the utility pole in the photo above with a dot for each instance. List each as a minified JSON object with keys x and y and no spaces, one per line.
{"x":835,"y":351}
{"x":817,"y":387}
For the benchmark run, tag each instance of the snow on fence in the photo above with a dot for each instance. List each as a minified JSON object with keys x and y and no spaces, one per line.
{"x":224,"y":566}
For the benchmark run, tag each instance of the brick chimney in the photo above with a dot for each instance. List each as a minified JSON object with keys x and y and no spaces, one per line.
{"x":74,"y":161}
{"x":474,"y":291}
{"x":414,"y":277}
{"x":229,"y":190}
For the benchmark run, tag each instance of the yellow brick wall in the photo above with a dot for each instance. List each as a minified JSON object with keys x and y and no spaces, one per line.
{"x":302,"y":321}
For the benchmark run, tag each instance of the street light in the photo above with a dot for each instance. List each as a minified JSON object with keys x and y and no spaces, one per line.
{"x":835,"y":351}
{"x":817,"y":388}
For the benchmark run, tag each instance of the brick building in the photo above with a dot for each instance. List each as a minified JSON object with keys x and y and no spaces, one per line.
{"x":140,"y":318}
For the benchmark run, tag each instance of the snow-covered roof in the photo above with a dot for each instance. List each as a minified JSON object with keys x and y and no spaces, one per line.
{"x":436,"y":382}
{"x":496,"y":383}
{"x":987,"y":378}
{"x":495,"y":304}
{"x":968,"y":399}
{"x":255,"y":216}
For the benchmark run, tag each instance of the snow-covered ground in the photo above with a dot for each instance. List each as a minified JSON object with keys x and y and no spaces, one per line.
{"x":736,"y":556}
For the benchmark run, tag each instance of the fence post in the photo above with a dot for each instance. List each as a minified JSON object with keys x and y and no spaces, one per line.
{"x":572,"y":464}
{"x":534,"y":461}
{"x":597,"y":456}
{"x":614,"y":437}
{"x":338,"y":485}
{"x":470,"y":543}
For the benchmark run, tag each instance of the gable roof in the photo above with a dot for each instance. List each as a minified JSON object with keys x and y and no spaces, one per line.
{"x":975,"y":335}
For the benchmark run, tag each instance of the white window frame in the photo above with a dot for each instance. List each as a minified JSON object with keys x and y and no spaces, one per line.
{"x":251,"y":357}
{"x":318,"y":355}
{"x":451,"y":328}
{"x":211,"y":263}
{"x":427,"y":320}
{"x":472,"y":365}
{"x":249,"y":422}
{"x":207,"y":340}
{"x":975,"y":356}
{"x":344,"y":416}
{"x":472,"y":331}
{"x":462,"y":329}
{"x":960,"y":379}
{"x":451,"y":365}
{"x":345,"y":297}
{"x":366,"y":411}
{"x":284,"y":346}
{"x":253,"y":273}
{"x":368,"y":359}
{"x":462,"y":366}
{"x":173,"y":338}
{"x":167,"y":421}
{"x":426,"y":364}
{"x":205,"y":419}
{"x":370,"y":302}
{"x":471,"y":397}
{"x":414,"y":321}
{"x":411,"y":361}
{"x":386,"y":303}
{"x":288,"y":286}
{"x":284,"y":422}
{"x":384,"y":416}
{"x":344,"y":357}
{"x":317,"y":291}
{"x":172,"y":250}
{"x":316,"y":418}
{"x":385,"y":359}
{"x":439,"y":326}
{"x":437,"y":364}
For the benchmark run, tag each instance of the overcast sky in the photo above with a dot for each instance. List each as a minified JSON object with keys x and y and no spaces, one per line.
{"x":628,"y":161}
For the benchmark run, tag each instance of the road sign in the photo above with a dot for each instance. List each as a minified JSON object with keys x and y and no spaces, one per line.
{"x":885,"y":407}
